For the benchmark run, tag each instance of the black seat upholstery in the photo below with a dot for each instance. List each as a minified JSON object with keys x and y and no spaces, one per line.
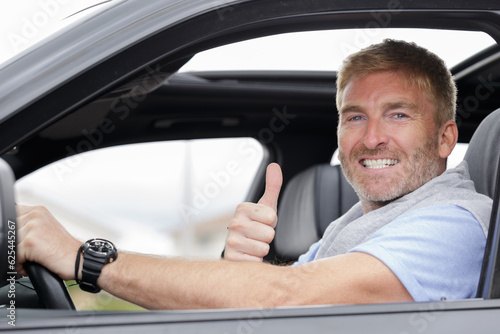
{"x":483,"y":154}
{"x":311,"y":200}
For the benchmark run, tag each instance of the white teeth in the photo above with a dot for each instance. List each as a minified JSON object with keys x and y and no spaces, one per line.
{"x":379,"y":163}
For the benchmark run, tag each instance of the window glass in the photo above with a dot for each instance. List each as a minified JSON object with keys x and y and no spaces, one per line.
{"x":171,"y":198}
{"x":457,"y":155}
{"x":168,"y":198}
{"x":324,"y":50}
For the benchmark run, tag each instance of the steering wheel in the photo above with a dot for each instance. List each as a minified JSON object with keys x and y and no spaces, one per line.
{"x":50,"y":289}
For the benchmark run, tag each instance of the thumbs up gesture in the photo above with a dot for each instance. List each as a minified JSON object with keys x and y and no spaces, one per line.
{"x":252,"y":227}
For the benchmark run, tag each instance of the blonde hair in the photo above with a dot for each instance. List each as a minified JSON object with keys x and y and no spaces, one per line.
{"x":419,"y":66}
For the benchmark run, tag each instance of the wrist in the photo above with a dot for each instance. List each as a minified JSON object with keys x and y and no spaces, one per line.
{"x":113,"y":272}
{"x":91,"y":257}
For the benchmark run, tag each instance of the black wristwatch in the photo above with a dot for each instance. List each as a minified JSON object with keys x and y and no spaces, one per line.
{"x":96,"y":254}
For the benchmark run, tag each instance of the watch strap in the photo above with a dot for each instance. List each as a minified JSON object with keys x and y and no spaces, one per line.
{"x":93,"y":261}
{"x":92,"y":267}
{"x":77,"y":262}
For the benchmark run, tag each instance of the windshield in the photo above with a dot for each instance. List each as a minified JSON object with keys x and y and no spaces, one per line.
{"x":24,"y":23}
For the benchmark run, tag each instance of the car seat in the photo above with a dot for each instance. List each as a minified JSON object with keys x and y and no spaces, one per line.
{"x":483,"y":154}
{"x":311,"y":200}
{"x":483,"y":157}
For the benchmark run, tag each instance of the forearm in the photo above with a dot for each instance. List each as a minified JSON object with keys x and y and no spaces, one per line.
{"x":162,"y":283}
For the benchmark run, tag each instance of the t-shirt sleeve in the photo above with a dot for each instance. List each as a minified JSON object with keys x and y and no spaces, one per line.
{"x":436,"y":252}
{"x":309,"y":255}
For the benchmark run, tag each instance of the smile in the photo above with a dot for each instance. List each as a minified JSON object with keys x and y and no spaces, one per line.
{"x":379,"y":163}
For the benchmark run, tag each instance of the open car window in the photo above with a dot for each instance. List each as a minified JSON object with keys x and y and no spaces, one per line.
{"x":170,"y":198}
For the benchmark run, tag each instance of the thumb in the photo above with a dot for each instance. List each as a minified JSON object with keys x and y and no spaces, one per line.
{"x":274,"y":179}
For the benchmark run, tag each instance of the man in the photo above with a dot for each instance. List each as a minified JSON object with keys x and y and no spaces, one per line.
{"x":418,"y":232}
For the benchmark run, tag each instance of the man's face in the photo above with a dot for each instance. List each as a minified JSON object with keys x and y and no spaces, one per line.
{"x":388,"y":141}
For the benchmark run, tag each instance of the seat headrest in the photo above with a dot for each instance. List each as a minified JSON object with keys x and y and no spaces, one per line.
{"x":483,"y":154}
{"x":311,"y":200}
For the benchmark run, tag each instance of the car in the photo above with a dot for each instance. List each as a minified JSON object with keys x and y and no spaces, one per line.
{"x":126,"y":74}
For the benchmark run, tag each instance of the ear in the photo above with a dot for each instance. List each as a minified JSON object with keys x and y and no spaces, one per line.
{"x":448,"y":136}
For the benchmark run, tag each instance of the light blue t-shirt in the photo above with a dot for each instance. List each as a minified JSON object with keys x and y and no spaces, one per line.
{"x":436,"y":252}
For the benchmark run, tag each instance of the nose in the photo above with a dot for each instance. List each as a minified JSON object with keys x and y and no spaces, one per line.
{"x":376,"y":134}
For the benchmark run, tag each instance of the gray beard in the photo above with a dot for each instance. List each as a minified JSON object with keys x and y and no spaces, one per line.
{"x":424,"y":168}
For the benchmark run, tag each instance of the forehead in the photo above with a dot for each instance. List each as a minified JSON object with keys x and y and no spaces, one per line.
{"x":385,"y":87}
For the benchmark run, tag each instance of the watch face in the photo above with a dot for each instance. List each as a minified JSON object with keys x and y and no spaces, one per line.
{"x":102,"y":246}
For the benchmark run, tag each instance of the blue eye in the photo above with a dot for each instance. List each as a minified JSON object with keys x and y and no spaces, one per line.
{"x":355,"y":118}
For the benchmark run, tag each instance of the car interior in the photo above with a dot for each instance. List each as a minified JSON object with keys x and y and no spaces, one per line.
{"x":158,"y":103}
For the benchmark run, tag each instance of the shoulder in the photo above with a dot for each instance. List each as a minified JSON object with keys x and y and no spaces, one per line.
{"x":435,"y":251}
{"x":436,"y":219}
